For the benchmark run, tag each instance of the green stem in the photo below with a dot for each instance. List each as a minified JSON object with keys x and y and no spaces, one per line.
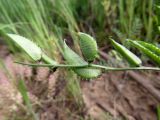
{"x":48,"y":60}
{"x":54,"y":65}
{"x":91,"y":65}
{"x":124,"y":69}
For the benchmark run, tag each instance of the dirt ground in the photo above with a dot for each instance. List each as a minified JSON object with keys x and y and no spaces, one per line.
{"x":129,"y":95}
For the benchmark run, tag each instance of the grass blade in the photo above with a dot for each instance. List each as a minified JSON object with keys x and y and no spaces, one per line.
{"x":23,"y":90}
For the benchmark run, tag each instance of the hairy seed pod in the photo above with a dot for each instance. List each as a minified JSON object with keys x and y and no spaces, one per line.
{"x":87,"y":72}
{"x":88,"y":46}
{"x":151,"y":47}
{"x":131,"y":58}
{"x":155,"y":58}
{"x":74,"y":59}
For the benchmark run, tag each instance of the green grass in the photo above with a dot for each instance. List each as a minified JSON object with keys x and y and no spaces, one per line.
{"x":30,"y":19}
{"x":44,"y":22}
{"x":158,"y":112}
{"x":23,"y":90}
{"x":73,"y":88}
{"x":136,"y":19}
{"x":48,"y":22}
{"x":100,"y":18}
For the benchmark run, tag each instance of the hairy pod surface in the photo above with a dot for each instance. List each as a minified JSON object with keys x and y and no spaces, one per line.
{"x":88,"y":72}
{"x":74,"y":59}
{"x":88,"y":46}
{"x":151,"y":47}
{"x":155,"y":58}
{"x":132,"y":59}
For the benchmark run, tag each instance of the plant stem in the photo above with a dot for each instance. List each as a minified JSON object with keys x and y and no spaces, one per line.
{"x":54,"y":65}
{"x":48,"y":60}
{"x":91,"y":65}
{"x":124,"y":69}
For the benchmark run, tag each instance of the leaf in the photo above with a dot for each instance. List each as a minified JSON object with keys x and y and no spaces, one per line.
{"x":74,"y":59}
{"x":146,"y":51}
{"x":28,"y":46}
{"x":88,"y":46}
{"x":132,"y":59}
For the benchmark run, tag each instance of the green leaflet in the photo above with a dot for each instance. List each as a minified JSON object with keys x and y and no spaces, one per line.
{"x":146,"y":51}
{"x":132,"y":59}
{"x":151,"y":47}
{"x":71,"y":57}
{"x":74,"y":59}
{"x":28,"y":46}
{"x":88,"y":46}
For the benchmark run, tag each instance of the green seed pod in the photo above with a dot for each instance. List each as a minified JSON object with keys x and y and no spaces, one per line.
{"x":132,"y":59}
{"x":155,"y":58}
{"x":151,"y":47}
{"x":88,"y":46}
{"x":74,"y":59}
{"x":87,"y":72}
